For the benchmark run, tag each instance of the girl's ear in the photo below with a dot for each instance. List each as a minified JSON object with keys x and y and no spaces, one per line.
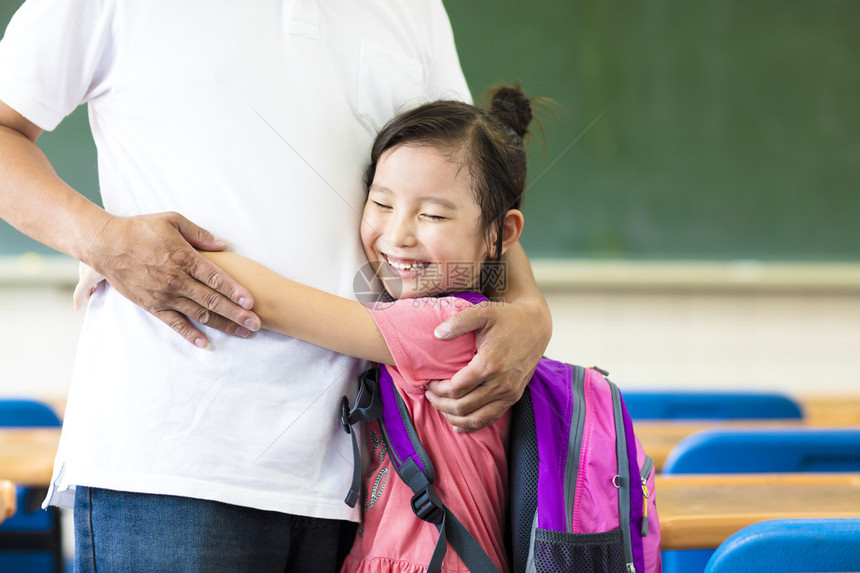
{"x":512,"y":228}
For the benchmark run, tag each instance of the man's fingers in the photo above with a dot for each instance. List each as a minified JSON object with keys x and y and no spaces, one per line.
{"x":459,"y":403}
{"x":474,"y":318}
{"x":478,"y":419}
{"x":208,"y":273}
{"x":183,"y":326}
{"x":467,"y":415}
{"x":206,"y":317}
{"x":186,"y":329}
{"x":178,"y":297}
{"x":455,"y":406}
{"x":224,"y":296}
{"x":197,"y":236}
{"x":467,"y":379}
{"x":475,"y":397}
{"x":448,"y":389}
{"x":207,"y":307}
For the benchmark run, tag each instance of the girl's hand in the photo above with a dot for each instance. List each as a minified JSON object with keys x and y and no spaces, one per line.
{"x":88,"y":282}
{"x":511,"y":339}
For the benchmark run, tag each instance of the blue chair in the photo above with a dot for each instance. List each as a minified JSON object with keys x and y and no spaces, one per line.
{"x":766,"y":451}
{"x":30,"y":540}
{"x":27,"y":414}
{"x":687,"y":405}
{"x":757,"y":451}
{"x":823,"y":545}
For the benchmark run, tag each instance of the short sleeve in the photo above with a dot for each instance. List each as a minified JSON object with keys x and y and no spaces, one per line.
{"x":54,"y":57}
{"x":407,"y":326}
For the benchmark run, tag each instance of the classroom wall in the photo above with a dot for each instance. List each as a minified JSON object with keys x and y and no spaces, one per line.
{"x":798,"y":343}
{"x":727,"y":335}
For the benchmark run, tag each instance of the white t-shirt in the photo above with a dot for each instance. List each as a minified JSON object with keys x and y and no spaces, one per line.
{"x":254,"y":120}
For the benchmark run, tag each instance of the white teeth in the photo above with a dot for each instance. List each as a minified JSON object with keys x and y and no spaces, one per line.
{"x":405,"y":266}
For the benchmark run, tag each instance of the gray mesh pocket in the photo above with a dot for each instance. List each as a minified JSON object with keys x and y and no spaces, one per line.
{"x":557,"y":551}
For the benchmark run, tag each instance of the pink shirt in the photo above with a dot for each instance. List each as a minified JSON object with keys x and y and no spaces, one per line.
{"x":471,"y":469}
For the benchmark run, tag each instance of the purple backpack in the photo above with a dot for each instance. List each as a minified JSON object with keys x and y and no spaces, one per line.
{"x":581,"y":487}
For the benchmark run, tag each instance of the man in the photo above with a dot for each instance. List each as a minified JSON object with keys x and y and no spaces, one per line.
{"x":253,"y":120}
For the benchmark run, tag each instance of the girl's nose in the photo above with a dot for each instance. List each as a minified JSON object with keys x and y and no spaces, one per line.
{"x":400,"y":232}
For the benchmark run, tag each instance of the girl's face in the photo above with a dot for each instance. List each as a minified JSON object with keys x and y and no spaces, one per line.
{"x":421,"y":228}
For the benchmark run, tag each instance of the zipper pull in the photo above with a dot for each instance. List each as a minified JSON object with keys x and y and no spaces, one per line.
{"x":601,"y":370}
{"x":644,"y":530}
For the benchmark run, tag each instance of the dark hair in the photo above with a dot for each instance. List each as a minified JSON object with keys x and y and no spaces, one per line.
{"x":488,"y":142}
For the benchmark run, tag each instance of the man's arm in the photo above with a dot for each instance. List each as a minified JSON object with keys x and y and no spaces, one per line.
{"x":150,"y":259}
{"x":511,"y":338}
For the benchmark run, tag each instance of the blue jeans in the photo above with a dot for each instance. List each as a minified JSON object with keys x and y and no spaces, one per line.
{"x":130,"y":532}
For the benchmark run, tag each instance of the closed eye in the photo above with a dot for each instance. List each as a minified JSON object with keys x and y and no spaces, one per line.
{"x":433,"y":217}
{"x":380,"y":205}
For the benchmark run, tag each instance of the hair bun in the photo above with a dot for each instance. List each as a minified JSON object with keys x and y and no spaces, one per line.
{"x":512,"y":107}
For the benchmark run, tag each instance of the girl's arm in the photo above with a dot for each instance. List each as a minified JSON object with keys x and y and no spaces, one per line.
{"x":306,"y":313}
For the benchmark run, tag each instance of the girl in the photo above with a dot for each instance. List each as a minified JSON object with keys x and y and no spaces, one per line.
{"x":445,"y":182}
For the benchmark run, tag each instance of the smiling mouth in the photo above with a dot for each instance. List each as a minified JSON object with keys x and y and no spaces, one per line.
{"x":403,"y":266}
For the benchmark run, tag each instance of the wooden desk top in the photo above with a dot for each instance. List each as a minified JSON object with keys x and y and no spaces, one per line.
{"x":701,"y":511}
{"x":659,"y":437}
{"x":7,"y":499}
{"x":27,"y":454}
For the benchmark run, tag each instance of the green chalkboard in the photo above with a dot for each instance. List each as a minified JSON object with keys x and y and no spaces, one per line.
{"x":721,"y":129}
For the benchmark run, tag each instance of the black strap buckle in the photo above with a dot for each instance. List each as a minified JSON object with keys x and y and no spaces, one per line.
{"x":427,"y":505}
{"x":344,"y":415}
{"x":368,"y":406}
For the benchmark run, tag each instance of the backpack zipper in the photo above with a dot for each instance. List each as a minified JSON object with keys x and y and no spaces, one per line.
{"x":621,"y":482}
{"x":646,"y":471}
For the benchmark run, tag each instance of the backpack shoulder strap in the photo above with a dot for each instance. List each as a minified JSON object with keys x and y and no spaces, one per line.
{"x":470,"y":296}
{"x":414,"y":467}
{"x":368,"y":406}
{"x":377,"y":398}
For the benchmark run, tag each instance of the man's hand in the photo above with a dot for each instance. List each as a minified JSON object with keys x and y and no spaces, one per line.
{"x":511,"y":339}
{"x":152,"y":261}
